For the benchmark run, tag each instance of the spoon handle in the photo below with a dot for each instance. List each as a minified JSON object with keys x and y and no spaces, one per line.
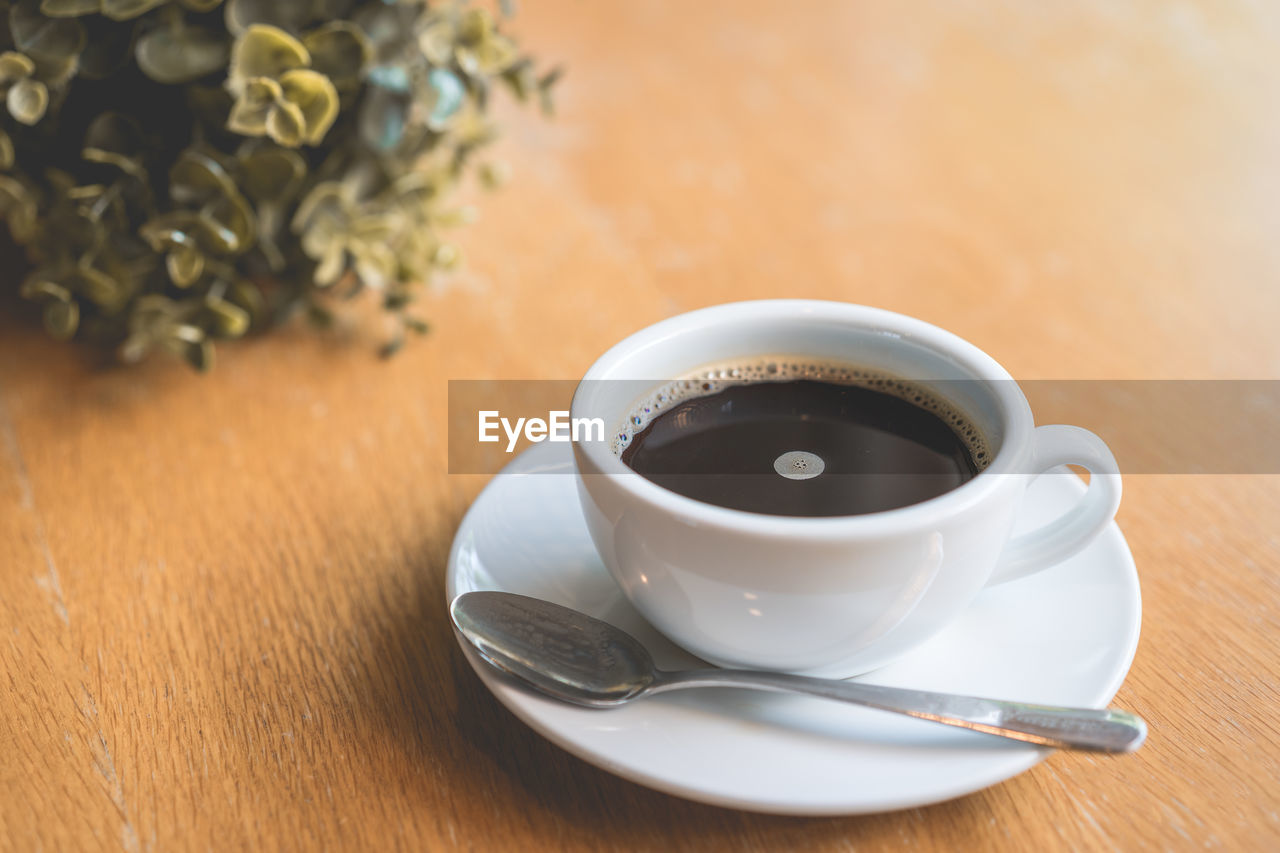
{"x":1105,"y":730}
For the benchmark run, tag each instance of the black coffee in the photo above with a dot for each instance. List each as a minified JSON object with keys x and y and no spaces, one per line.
{"x":805,"y":447}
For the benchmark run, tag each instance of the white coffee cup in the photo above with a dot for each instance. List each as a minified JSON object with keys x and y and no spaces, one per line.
{"x":832,"y":596}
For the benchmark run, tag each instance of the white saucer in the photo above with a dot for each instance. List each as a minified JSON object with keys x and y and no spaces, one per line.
{"x":1065,"y":636}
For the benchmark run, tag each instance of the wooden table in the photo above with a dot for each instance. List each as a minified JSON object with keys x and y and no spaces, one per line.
{"x":221,"y":598}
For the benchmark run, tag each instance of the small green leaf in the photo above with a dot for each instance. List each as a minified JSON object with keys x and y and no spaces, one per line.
{"x":61,"y":319}
{"x":251,"y":110}
{"x":53,"y":43}
{"x":193,"y":345}
{"x":286,"y":124}
{"x":435,"y":40}
{"x":392,"y":346}
{"x":285,"y":14}
{"x":375,"y":262}
{"x":43,"y":290}
{"x":545,"y":85}
{"x":246,"y":295}
{"x":169,"y":230}
{"x":449,"y":94}
{"x":340,"y":51}
{"x":125,"y":10}
{"x":181,"y":55}
{"x":36,"y":35}
{"x":383,"y":117}
{"x":333,"y":263}
{"x":184,"y":265}
{"x":197,"y":176}
{"x":229,"y":321}
{"x":15,"y":66}
{"x":493,"y":175}
{"x":233,"y":217}
{"x":394,"y":78}
{"x":266,"y":51}
{"x":481,"y":49}
{"x":18,"y":207}
{"x":326,"y":199}
{"x":153,"y":313}
{"x":455,"y":217}
{"x":316,"y":99}
{"x":199,"y":355}
{"x":6,"y":151}
{"x":269,"y":173}
{"x":319,"y":316}
{"x":27,"y":100}
{"x":134,"y":348}
{"x":70,"y":8}
{"x":115,"y":139}
{"x":446,"y":256}
{"x":520,"y":78}
{"x":98,"y":287}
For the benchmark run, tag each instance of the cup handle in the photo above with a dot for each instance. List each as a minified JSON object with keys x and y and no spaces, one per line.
{"x":1056,"y":445}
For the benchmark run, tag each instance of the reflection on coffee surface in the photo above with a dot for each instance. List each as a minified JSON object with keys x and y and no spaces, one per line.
{"x":798,"y":439}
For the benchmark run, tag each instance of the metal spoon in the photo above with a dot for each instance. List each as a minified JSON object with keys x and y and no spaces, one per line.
{"x":577,"y":658}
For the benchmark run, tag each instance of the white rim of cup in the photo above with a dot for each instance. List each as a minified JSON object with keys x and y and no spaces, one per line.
{"x":1018,"y":421}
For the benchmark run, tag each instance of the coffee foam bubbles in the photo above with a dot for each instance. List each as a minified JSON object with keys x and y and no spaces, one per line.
{"x":711,"y":379}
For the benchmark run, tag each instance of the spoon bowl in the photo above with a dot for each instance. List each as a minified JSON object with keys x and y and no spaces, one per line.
{"x":559,"y":651}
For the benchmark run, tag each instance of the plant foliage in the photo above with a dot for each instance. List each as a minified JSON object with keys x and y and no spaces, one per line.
{"x":181,"y":171}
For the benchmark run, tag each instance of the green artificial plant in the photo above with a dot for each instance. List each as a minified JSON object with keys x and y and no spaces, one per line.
{"x":181,"y":171}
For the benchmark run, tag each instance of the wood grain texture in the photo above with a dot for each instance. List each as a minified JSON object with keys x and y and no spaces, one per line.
{"x":221,"y":598}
